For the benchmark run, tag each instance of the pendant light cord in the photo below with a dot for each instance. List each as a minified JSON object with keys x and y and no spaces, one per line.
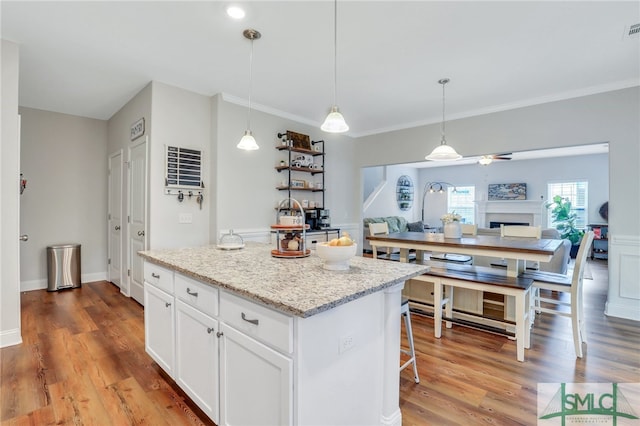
{"x":442,"y":126}
{"x":250,"y":85}
{"x":335,"y":52}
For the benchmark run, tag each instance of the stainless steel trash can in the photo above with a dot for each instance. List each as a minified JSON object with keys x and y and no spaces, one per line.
{"x":63,"y":266}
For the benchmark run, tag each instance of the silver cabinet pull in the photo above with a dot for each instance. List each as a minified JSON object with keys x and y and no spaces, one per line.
{"x":219,"y":334}
{"x":24,"y":237}
{"x":209,"y":330}
{"x":195,"y":293}
{"x":154,"y":275}
{"x":252,"y":321}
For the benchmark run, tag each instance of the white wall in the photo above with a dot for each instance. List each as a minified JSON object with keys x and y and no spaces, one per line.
{"x":9,"y":201}
{"x":119,"y":141}
{"x":63,"y":158}
{"x":246,"y":181}
{"x":385,"y":202}
{"x":179,"y":118}
{"x":606,"y":117}
{"x":535,"y":173}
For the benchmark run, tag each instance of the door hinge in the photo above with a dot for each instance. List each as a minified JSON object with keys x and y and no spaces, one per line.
{"x":128,"y":272}
{"x":128,"y":219}
{"x":108,"y":261}
{"x":109,"y":216}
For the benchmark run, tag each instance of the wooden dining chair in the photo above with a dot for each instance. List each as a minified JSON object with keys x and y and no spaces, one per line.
{"x":469,"y":229}
{"x":571,"y":284}
{"x":520,"y":231}
{"x":379,"y":229}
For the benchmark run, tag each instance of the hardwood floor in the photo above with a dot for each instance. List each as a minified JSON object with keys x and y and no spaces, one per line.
{"x":83,"y":362}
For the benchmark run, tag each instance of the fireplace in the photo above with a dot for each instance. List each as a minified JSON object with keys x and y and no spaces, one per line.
{"x":493,"y":224}
{"x":527,"y":212}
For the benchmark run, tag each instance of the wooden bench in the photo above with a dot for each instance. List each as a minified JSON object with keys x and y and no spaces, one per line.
{"x":481,"y":279}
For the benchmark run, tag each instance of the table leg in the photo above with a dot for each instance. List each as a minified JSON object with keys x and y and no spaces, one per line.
{"x":437,"y":307}
{"x":404,"y":255}
{"x":515,"y":267}
{"x":521,"y":333}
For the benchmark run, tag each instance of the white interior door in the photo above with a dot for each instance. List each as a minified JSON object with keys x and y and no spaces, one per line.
{"x":115,"y":218}
{"x":137,"y":217}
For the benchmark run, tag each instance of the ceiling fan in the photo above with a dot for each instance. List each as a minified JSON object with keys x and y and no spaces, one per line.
{"x":485,"y":160}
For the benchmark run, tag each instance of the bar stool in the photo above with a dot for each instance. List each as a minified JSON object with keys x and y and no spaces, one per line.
{"x":404,"y":311}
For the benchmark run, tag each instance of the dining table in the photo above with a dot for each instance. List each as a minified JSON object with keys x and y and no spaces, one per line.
{"x":515,"y":250}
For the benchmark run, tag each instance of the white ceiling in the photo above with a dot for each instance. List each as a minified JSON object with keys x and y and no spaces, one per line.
{"x":90,"y":58}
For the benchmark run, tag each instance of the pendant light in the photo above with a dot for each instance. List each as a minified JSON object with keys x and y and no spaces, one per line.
{"x":248,"y":142}
{"x":334,"y":123}
{"x":443,"y":152}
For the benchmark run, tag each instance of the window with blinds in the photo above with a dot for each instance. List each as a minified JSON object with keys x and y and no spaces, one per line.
{"x":184,"y":168}
{"x":576,"y":193}
{"x":460,"y":200}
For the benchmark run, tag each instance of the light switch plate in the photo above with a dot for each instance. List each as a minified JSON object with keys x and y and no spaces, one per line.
{"x":185,"y":218}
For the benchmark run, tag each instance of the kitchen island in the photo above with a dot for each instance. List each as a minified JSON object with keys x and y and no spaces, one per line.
{"x":254,"y":339}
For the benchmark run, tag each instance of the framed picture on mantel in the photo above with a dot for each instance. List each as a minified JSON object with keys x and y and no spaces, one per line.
{"x":507,"y":191}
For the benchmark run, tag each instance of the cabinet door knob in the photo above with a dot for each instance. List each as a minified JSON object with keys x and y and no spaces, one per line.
{"x":219,"y":334}
{"x":209,"y":330}
{"x":154,"y":275}
{"x":252,"y":321}
{"x":117,"y":228}
{"x":190,"y":293}
{"x":167,"y":304}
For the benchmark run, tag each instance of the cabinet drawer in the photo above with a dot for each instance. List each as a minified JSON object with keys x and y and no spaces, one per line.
{"x":159,"y":277}
{"x":271,"y":327}
{"x":199,"y":295}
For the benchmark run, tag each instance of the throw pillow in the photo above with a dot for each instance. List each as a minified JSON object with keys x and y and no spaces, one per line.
{"x":416,"y":226}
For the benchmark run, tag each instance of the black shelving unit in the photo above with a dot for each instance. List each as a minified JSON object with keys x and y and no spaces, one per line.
{"x":289,"y":169}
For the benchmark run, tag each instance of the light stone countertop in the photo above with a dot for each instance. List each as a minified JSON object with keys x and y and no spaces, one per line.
{"x":300,"y":287}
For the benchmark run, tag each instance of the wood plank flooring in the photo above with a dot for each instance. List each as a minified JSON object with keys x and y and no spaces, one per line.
{"x":83,"y":363}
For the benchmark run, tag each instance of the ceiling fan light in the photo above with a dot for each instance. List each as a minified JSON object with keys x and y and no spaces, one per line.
{"x":485,"y":160}
{"x":443,"y":152}
{"x":334,"y":123}
{"x":248,"y":142}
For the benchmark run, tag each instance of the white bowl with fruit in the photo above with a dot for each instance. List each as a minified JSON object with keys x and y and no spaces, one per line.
{"x":337,"y":252}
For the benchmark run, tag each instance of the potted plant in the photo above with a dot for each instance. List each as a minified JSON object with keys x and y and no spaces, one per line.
{"x":565,"y":222}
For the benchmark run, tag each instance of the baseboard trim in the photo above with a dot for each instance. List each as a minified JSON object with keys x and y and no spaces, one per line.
{"x":626,"y":311}
{"x":43,"y":283}
{"x":10,"y":338}
{"x":395,"y":419}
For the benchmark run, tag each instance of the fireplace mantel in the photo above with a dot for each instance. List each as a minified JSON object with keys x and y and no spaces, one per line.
{"x":510,"y":210}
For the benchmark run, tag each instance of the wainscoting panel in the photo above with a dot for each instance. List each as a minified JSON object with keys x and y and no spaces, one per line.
{"x":624,"y":277}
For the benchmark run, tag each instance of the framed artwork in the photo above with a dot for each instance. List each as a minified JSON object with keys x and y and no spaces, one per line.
{"x":507,"y":191}
{"x":299,"y":140}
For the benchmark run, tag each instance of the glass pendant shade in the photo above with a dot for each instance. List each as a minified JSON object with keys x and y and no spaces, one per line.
{"x":334,"y":123}
{"x":443,"y":152}
{"x":248,"y":143}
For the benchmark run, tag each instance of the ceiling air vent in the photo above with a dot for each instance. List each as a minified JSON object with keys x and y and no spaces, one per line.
{"x":634,"y":30}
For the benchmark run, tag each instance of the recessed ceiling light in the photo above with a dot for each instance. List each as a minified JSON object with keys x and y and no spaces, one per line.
{"x":235,"y":12}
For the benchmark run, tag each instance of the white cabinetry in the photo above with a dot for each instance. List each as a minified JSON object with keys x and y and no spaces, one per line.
{"x":197,"y":357}
{"x":255,"y":382}
{"x":159,"y":327}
